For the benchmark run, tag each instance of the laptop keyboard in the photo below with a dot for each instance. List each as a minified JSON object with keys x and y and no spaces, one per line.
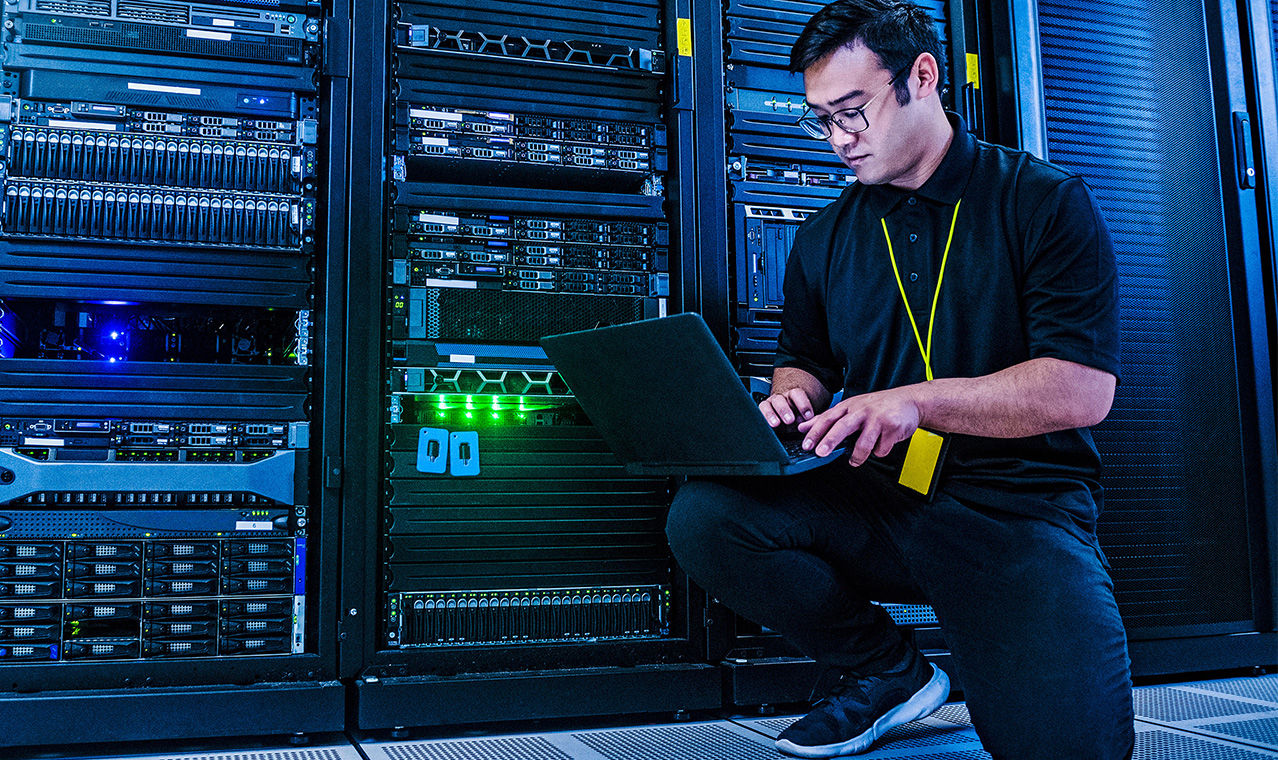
{"x":795,"y":448}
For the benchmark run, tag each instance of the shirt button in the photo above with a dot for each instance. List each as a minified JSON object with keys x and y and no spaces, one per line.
{"x":914,"y":276}
{"x":913,"y":237}
{"x":912,"y":201}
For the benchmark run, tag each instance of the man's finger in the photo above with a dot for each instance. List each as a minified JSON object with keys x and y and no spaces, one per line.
{"x":769,"y":414}
{"x":865,"y":444}
{"x":776,"y":410}
{"x":801,"y":402}
{"x":886,"y":442}
{"x":815,"y":429}
{"x":842,"y":428}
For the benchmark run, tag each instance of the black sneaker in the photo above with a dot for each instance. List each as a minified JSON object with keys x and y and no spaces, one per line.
{"x":859,"y":709}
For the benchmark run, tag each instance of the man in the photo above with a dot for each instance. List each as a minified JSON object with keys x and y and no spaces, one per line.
{"x":964,"y":289}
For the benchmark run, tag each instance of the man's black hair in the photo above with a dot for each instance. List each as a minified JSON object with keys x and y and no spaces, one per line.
{"x":897,"y":32}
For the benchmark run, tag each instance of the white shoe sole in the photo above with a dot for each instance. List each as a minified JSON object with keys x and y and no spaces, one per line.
{"x":924,"y":702}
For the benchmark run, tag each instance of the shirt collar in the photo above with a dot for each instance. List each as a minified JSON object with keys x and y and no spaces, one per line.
{"x":947,"y":183}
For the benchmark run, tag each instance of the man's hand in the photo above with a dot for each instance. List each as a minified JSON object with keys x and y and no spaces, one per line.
{"x":796,"y":395}
{"x":784,"y":408}
{"x":883,"y":419}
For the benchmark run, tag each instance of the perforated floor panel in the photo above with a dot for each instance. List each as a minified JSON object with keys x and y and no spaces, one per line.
{"x":343,"y":751}
{"x":1234,"y":719}
{"x":1239,"y":710}
{"x":707,"y":740}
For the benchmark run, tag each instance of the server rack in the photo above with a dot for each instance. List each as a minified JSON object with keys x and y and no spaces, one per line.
{"x":170,"y":175}
{"x":507,"y":551}
{"x":1189,"y":445}
{"x":761,"y":176}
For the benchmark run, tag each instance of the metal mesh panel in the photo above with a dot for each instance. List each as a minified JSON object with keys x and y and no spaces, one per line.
{"x":704,"y":742}
{"x":956,"y":714}
{"x":1157,"y":744}
{"x":911,"y":614}
{"x":1170,"y":705}
{"x":1257,"y":730}
{"x":774,"y":725}
{"x":1273,"y":12}
{"x":500,"y":748}
{"x":1265,"y":688}
{"x":317,"y":753}
{"x":1172,"y":527}
{"x":512,"y":317}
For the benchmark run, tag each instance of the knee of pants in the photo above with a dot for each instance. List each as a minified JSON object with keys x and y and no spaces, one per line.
{"x":1086,"y":715}
{"x":697,"y":525}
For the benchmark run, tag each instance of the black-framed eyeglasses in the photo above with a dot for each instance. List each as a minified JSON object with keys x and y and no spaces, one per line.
{"x":850,"y":120}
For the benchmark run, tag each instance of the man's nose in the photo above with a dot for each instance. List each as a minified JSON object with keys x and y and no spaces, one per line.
{"x":839,"y":138}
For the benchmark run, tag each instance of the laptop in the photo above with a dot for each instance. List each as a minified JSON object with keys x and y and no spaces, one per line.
{"x":663,"y":395}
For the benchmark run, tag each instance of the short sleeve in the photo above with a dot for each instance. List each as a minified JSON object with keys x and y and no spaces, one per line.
{"x":1069,"y":298}
{"x":805,"y":341}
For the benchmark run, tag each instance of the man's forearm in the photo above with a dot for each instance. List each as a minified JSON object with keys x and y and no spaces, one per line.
{"x":1031,"y":398}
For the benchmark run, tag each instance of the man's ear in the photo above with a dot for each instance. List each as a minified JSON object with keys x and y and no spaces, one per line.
{"x":928,"y":73}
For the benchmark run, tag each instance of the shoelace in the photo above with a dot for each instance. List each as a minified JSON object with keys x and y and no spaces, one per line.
{"x":843,"y":682}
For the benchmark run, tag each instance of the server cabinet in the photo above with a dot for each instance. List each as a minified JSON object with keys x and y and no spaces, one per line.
{"x":1259,"y":122}
{"x":173,"y":188}
{"x":528,"y":171}
{"x":1189,"y":446}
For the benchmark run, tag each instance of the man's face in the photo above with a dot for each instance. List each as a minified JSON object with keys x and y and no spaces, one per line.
{"x":853,"y":77}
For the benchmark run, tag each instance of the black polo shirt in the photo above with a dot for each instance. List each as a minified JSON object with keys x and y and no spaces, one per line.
{"x":1030,"y":273}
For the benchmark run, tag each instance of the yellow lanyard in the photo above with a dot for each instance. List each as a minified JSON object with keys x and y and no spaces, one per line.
{"x":925,"y":350}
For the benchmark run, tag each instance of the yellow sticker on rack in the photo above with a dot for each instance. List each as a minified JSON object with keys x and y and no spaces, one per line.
{"x":974,"y":70}
{"x":684,"y":29}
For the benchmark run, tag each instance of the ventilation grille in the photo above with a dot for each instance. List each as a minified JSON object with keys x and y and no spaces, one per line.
{"x":704,"y":742}
{"x":75,"y":7}
{"x":1165,"y":514}
{"x":513,"y":748}
{"x":493,"y":315}
{"x":165,"y":39}
{"x":173,"y":14}
{"x":318,"y":753}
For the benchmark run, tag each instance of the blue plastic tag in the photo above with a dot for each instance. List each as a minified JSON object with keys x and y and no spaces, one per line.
{"x":432,"y":451}
{"x":463,"y":453}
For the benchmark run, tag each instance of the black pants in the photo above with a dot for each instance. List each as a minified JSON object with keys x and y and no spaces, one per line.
{"x":1027,"y":607}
